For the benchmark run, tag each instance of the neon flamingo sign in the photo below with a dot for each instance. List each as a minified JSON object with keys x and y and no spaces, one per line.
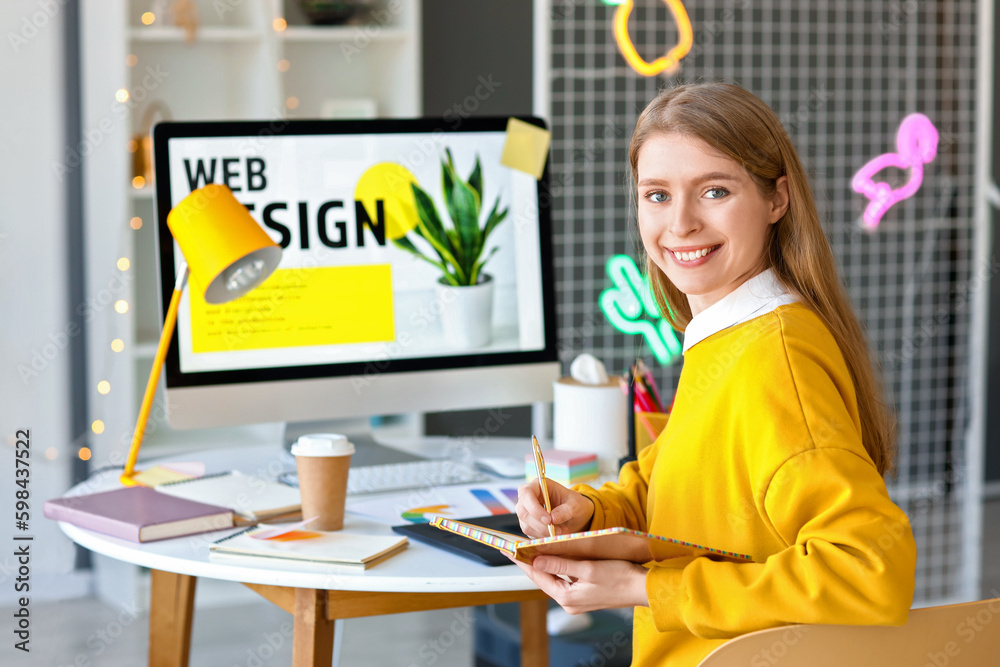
{"x":916,"y":145}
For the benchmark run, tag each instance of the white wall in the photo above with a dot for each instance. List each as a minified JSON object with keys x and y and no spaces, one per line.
{"x":34,"y":308}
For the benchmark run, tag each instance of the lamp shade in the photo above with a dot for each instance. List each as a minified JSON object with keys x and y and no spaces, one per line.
{"x":227,"y":251}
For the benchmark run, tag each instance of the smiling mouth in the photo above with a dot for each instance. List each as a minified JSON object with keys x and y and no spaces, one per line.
{"x":692,"y":255}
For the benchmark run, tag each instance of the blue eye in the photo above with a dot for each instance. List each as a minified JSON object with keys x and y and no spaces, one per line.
{"x":657,"y":197}
{"x":719,"y":193}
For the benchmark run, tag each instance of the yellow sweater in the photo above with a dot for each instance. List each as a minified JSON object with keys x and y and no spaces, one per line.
{"x":762,"y":455}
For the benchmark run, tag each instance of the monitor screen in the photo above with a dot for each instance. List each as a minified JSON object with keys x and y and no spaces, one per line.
{"x":416,"y":271}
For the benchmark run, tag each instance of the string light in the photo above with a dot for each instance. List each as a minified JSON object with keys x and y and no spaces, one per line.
{"x":123,"y":264}
{"x":131,"y":60}
{"x":117,"y":345}
{"x":284,"y":65}
{"x":279,"y":24}
{"x":138,"y":182}
{"x":103,"y":387}
{"x":135,"y":223}
{"x":97,"y":427}
{"x":84,"y":453}
{"x":292,"y":102}
{"x":148,"y":18}
{"x":51,"y":453}
{"x":122,"y":95}
{"x":121,"y":306}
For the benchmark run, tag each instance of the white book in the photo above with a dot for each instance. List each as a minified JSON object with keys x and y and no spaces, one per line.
{"x":328,"y":548}
{"x":252,"y":498}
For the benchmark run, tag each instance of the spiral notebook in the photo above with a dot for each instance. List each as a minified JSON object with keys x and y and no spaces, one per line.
{"x":617,"y":543}
{"x":326,"y":548}
{"x":250,"y":497}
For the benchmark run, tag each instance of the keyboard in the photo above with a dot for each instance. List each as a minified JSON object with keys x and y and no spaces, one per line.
{"x":411,"y":475}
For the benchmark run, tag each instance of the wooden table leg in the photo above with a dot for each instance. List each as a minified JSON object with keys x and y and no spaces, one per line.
{"x":312,"y":645}
{"x":170,"y":610}
{"x":534,"y":633}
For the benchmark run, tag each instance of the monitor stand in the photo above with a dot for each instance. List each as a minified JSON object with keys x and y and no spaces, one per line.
{"x":367,"y":450}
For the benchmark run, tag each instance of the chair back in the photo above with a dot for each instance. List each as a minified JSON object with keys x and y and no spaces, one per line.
{"x":958,"y":635}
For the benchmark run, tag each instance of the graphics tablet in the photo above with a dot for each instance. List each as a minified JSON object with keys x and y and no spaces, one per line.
{"x":456,"y":544}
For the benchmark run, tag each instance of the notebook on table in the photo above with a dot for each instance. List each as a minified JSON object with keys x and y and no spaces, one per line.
{"x":251,"y":498}
{"x":615,"y":543}
{"x":138,"y":514}
{"x":317,"y":547}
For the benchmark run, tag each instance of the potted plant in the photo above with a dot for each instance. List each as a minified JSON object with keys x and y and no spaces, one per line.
{"x":464,"y":291}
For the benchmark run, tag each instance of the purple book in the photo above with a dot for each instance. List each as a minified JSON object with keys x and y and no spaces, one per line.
{"x":138,"y":513}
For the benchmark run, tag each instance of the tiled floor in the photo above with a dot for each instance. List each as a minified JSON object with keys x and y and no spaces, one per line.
{"x":89,"y":633}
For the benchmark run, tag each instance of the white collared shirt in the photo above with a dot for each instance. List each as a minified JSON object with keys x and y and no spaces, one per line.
{"x":757,"y":296}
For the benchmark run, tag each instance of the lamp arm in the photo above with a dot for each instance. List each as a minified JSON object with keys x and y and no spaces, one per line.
{"x":154,"y":378}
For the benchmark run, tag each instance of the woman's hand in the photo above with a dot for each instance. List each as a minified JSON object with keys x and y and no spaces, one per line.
{"x":592,"y":584}
{"x":571,"y":511}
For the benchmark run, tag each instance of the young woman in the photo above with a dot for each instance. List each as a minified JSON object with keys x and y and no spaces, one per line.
{"x":778,"y":439}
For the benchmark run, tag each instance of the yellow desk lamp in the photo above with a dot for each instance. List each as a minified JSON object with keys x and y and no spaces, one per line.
{"x":228,"y":252}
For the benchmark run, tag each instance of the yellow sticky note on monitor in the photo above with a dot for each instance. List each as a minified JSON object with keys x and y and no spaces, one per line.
{"x":297,"y":307}
{"x":526,"y":147}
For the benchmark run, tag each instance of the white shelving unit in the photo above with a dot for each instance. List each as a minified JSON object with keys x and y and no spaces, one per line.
{"x":255,"y":60}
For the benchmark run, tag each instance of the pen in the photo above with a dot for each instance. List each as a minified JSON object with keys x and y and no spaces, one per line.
{"x":540,"y":469}
{"x":651,"y":385}
{"x":644,"y":401}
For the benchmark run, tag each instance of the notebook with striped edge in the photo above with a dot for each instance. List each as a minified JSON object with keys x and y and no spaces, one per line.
{"x":616,"y":543}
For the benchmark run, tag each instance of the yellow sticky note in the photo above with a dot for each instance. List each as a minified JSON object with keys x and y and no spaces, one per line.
{"x":158,"y":475}
{"x":298,"y":307}
{"x":526,"y":147}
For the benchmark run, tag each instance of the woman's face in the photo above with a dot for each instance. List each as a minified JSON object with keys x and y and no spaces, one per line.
{"x":702,"y":219}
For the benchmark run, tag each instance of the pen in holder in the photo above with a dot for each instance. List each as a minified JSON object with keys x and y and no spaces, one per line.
{"x":646,"y":420}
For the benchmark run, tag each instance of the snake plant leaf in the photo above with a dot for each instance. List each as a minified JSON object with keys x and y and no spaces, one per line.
{"x":408,"y":246}
{"x":478,"y":266}
{"x":476,"y":179}
{"x":463,"y":208}
{"x":434,"y":232}
{"x":493,"y":219}
{"x":447,"y":177}
{"x":457,"y":249}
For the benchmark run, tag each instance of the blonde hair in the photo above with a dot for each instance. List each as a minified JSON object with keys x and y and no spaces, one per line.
{"x":739,"y":125}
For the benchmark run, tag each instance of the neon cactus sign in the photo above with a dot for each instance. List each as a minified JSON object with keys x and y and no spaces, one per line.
{"x":916,"y":145}
{"x":668,"y":63}
{"x":625,"y":305}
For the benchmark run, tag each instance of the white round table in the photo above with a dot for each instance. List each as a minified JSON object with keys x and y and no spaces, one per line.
{"x":419,"y":578}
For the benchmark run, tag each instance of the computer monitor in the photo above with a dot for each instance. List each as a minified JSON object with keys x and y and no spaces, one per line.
{"x":354,"y":322}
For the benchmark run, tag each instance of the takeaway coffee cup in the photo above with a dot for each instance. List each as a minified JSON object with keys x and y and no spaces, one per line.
{"x":322,"y":461}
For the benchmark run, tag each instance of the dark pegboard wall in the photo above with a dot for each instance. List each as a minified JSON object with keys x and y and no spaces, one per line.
{"x":841,"y":75}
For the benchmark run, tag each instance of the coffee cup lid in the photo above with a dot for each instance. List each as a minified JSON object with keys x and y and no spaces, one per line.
{"x":323,"y":444}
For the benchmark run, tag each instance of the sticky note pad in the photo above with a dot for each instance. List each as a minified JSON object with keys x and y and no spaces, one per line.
{"x":526,"y":147}
{"x":159,"y":475}
{"x":564,"y":466}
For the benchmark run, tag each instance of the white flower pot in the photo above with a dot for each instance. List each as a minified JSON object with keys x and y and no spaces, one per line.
{"x":467,"y":313}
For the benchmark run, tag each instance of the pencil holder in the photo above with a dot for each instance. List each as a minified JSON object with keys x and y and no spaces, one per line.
{"x":648,"y":427}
